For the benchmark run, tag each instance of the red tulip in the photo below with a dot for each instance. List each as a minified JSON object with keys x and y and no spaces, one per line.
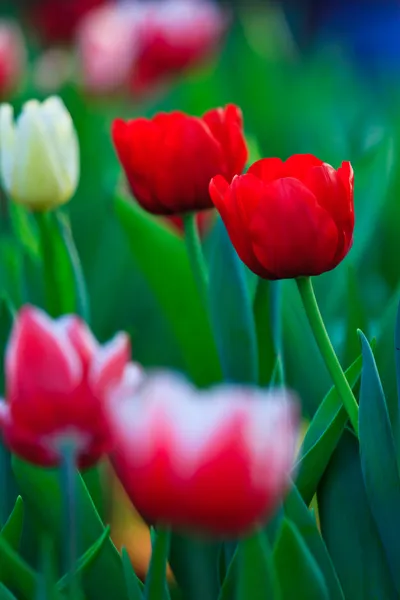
{"x":288,"y":219}
{"x":216,"y":461}
{"x":170,"y":159}
{"x":12,"y":57}
{"x":57,"y":20}
{"x":57,"y":375}
{"x":176,"y":35}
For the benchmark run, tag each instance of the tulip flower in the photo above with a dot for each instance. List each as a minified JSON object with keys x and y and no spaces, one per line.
{"x":170,"y":159}
{"x":39,"y":154}
{"x":175,"y":35}
{"x":12,"y":57}
{"x":288,"y":219}
{"x":57,"y":376}
{"x":57,"y":20}
{"x":108,"y":41}
{"x":217,"y":461}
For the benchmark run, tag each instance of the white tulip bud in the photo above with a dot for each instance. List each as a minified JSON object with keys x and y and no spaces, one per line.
{"x":39,"y":154}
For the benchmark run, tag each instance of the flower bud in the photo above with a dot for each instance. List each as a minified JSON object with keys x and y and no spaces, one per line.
{"x":39,"y":154}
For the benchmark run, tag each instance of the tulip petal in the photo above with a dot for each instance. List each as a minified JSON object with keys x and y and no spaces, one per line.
{"x":226,"y":125}
{"x":298,"y":165}
{"x":40,"y":357}
{"x":267,"y":169}
{"x":191,"y":157}
{"x":37,"y":178}
{"x":108,"y":364}
{"x":333,"y":193}
{"x":80,"y":336}
{"x":136,"y":143}
{"x":62,"y":139}
{"x":292,"y":234}
{"x":230,"y":202}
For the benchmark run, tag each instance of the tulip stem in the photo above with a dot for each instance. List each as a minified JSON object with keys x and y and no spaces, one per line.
{"x":196,"y":256}
{"x":68,"y":486}
{"x":343,"y":388}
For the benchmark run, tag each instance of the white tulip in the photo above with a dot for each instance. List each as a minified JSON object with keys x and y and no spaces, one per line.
{"x":39,"y":154}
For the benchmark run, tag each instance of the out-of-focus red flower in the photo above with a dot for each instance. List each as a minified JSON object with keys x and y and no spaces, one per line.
{"x":216,"y":461}
{"x":12,"y":57}
{"x":108,"y":41}
{"x":288,"y":219}
{"x":56,"y":20}
{"x":204,"y":220}
{"x":170,"y":159}
{"x":57,"y":375}
{"x":176,"y":35}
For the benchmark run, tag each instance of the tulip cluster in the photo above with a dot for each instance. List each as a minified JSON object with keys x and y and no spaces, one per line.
{"x":218,"y":461}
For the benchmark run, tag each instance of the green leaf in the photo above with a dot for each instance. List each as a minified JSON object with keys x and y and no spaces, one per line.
{"x":194,"y":562}
{"x":256,"y":576}
{"x":349,"y":529}
{"x":298,"y":573}
{"x":133,"y":584}
{"x":356,"y":316}
{"x":322,"y":436}
{"x":11,"y":271}
{"x":161,"y":256}
{"x":156,"y":587}
{"x":394,"y":408}
{"x":15,"y":573}
{"x":86,"y":561}
{"x":62,"y":273}
{"x":231,"y":311}
{"x":228,"y":587}
{"x":265,"y":341}
{"x":5,"y":594}
{"x":304,"y":370}
{"x":41,"y":491}
{"x":12,"y":530}
{"x":378,"y":459}
{"x":24,"y":229}
{"x":297,"y":511}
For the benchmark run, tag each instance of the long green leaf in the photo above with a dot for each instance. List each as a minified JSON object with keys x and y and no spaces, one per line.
{"x":323,"y":436}
{"x":256,"y":577}
{"x":298,"y":573}
{"x":42,"y":493}
{"x":378,"y":460}
{"x":231,"y":311}
{"x":133,"y":584}
{"x":156,"y":587}
{"x":15,"y":573}
{"x":161,"y":256}
{"x":300,"y":515}
{"x":349,"y":529}
{"x":12,"y":530}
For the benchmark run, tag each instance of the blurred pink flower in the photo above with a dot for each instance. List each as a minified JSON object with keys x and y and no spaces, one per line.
{"x":216,"y":461}
{"x":108,"y":42}
{"x":57,"y":375}
{"x":12,"y":57}
{"x":176,"y":35}
{"x":141,"y":44}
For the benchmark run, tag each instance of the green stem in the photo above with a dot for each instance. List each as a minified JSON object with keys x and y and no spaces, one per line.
{"x":195,"y":253}
{"x":50,"y":272}
{"x":343,"y":388}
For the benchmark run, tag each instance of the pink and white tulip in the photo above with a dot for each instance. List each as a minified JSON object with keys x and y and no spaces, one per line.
{"x":57,"y":376}
{"x":217,"y":461}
